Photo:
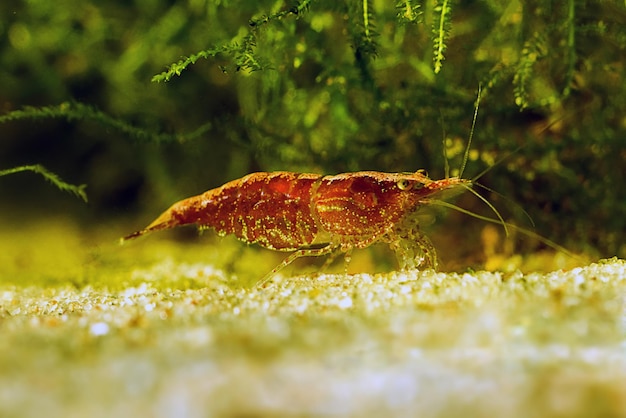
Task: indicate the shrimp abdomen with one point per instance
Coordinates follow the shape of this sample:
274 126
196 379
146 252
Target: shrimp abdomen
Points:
271 209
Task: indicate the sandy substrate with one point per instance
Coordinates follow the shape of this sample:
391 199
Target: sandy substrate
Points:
404 344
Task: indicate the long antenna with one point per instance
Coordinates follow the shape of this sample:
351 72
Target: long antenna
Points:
524 231
471 135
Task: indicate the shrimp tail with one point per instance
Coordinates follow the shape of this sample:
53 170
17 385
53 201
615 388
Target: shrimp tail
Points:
178 214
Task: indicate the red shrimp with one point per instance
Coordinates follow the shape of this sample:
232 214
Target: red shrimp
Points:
314 215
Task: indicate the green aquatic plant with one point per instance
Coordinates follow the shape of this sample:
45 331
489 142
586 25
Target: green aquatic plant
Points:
408 11
534 50
242 51
441 31
78 191
79 111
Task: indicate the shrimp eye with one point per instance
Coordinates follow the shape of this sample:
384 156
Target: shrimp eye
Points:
423 172
404 184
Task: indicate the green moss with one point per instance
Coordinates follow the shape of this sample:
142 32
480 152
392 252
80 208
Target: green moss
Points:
51 177
317 86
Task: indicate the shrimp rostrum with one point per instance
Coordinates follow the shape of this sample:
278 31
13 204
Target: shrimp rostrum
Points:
314 215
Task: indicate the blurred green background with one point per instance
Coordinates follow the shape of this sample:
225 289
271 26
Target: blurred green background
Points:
319 86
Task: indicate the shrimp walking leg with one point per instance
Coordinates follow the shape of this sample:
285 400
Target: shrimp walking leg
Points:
306 252
412 248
